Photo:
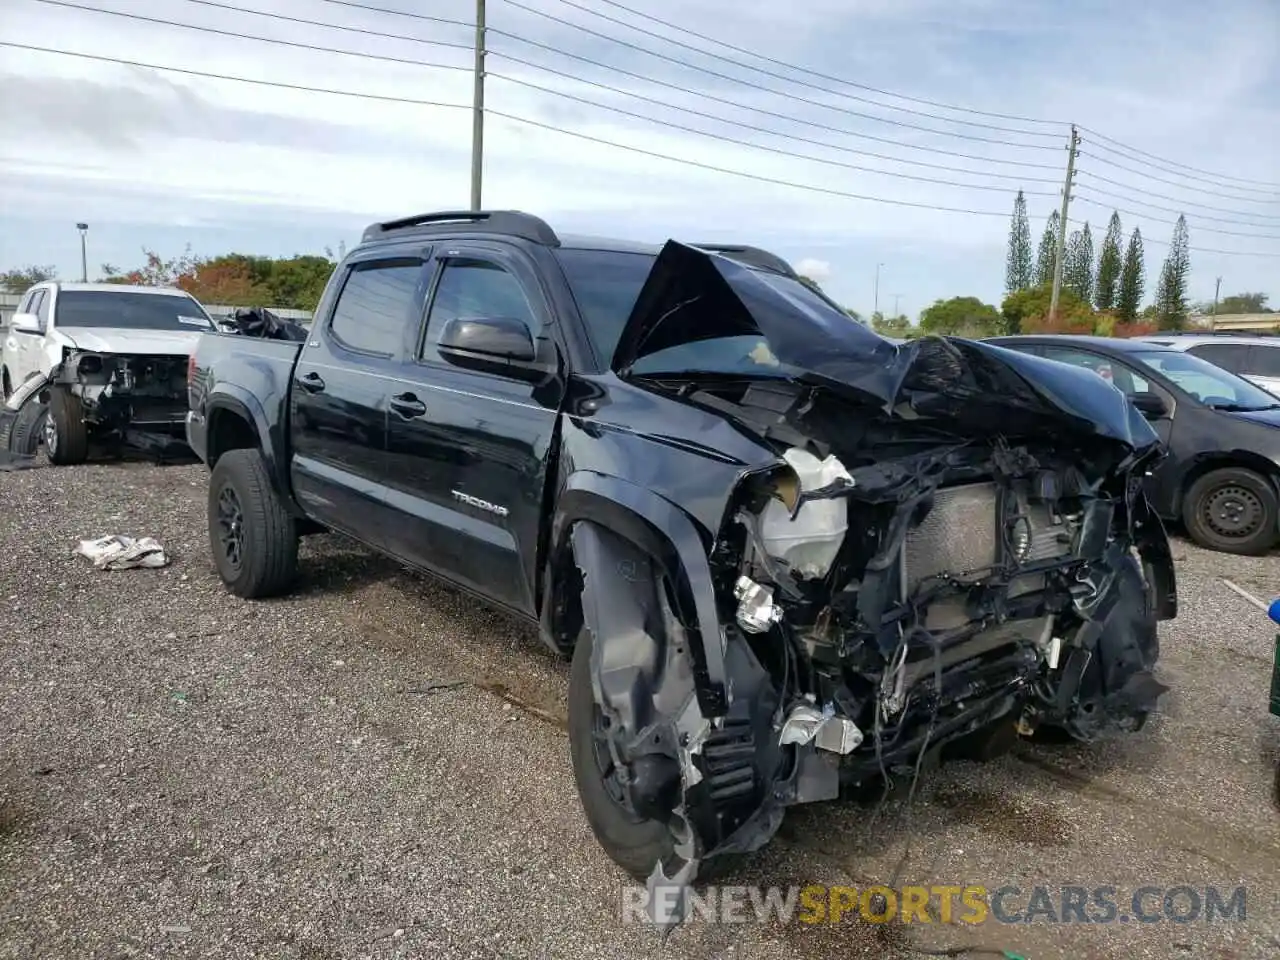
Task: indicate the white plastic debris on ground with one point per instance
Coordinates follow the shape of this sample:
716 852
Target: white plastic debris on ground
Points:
119 552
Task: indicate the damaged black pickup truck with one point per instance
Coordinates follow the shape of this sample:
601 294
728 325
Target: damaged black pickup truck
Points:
784 553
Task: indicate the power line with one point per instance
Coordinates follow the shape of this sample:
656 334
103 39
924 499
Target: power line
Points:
1229 233
750 109
769 73
782 93
1105 158
1174 183
399 13
1185 203
756 146
1150 240
736 123
639 96
1271 186
234 79
550 127
331 26
814 73
272 40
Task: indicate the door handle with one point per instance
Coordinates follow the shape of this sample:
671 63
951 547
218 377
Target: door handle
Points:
408 406
312 383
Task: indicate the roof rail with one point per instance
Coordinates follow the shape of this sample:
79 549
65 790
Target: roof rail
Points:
1220 332
751 256
509 222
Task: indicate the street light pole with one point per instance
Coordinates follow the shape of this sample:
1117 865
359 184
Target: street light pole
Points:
84 257
877 289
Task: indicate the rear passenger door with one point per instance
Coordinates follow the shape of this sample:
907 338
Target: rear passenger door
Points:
1263 366
339 395
468 449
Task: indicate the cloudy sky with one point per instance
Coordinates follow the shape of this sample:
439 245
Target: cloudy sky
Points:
603 137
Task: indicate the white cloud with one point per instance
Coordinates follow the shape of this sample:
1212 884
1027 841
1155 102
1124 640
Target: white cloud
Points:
819 270
131 146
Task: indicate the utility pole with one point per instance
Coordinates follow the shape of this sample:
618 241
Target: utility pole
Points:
84 256
1062 224
896 298
1217 287
877 289
477 111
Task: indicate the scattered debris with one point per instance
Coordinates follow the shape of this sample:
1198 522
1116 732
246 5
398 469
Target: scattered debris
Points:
118 552
18 461
438 686
1246 594
175 928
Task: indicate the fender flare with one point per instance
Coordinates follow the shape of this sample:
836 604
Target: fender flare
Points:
671 538
229 398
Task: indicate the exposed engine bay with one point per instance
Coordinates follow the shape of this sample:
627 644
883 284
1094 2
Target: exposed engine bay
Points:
104 399
119 391
888 588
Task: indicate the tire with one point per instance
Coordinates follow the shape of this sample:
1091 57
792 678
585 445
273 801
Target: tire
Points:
253 539
632 842
1233 510
66 436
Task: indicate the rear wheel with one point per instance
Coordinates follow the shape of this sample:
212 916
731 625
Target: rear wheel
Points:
633 841
66 436
253 539
1233 510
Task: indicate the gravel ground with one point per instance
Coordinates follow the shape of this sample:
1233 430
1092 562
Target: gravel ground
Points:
186 774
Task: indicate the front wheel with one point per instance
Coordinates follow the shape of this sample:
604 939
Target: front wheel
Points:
1233 510
66 435
631 840
253 538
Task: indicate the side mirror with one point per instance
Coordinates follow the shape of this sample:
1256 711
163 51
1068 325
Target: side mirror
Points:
25 323
500 345
1150 405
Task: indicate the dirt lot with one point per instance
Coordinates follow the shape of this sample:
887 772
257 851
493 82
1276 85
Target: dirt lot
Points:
184 774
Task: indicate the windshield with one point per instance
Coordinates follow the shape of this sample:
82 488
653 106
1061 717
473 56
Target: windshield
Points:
1209 384
606 284
128 310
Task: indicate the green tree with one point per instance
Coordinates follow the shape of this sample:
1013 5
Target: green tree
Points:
961 316
1017 269
1133 279
1047 250
24 278
1171 292
1241 303
1109 262
1077 264
899 326
1027 311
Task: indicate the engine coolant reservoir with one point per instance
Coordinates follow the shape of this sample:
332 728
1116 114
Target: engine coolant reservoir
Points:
809 543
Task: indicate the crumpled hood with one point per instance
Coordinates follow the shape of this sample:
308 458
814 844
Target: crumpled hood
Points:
691 295
125 340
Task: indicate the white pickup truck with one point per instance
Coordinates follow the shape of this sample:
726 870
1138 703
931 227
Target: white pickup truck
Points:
98 361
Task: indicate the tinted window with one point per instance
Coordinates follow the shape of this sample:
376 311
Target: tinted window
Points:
134 311
377 303
1119 375
1207 383
473 290
1264 361
605 285
39 306
1228 356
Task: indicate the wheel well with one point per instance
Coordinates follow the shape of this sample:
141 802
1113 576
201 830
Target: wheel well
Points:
1239 458
228 430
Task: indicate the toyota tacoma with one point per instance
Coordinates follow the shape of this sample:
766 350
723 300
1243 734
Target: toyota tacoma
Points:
785 554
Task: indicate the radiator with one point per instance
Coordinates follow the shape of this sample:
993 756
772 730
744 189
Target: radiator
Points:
960 534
